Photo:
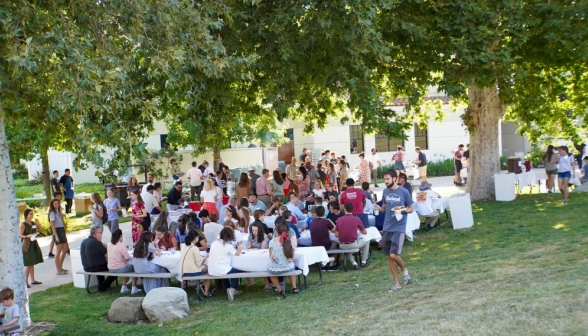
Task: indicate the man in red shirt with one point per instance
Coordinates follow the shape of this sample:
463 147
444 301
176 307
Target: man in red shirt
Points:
357 198
346 229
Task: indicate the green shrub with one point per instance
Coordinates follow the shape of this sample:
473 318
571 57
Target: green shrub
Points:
440 168
503 162
41 215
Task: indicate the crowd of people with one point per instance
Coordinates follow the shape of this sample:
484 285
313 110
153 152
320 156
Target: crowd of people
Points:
561 163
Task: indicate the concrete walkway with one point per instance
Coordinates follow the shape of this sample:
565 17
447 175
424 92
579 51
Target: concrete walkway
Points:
46 272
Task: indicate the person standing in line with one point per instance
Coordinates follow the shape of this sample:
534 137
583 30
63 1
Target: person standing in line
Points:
356 197
550 162
264 189
112 205
195 178
58 229
398 159
132 186
580 147
375 163
457 155
565 171
364 169
28 230
397 203
175 169
67 184
150 181
291 172
55 185
97 210
422 164
253 179
466 162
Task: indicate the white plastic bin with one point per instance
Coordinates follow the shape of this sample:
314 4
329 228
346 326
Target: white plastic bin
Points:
460 206
504 186
76 265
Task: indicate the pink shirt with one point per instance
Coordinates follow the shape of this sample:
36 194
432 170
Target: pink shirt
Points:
356 197
117 255
262 186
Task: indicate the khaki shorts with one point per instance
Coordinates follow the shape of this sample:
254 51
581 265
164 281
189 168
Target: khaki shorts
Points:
423 171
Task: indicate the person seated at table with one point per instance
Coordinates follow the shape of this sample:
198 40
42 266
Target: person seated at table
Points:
164 240
245 219
291 232
320 201
293 206
309 203
232 214
281 253
319 233
379 219
287 215
219 260
93 253
212 229
182 230
584 178
365 186
285 208
309 219
424 205
319 190
403 182
194 217
368 208
335 212
118 258
346 229
257 238
200 240
193 261
174 197
243 203
162 219
255 204
331 191
259 217
143 254
273 209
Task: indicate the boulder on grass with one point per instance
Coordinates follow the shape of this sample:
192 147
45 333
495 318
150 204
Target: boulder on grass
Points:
127 310
166 303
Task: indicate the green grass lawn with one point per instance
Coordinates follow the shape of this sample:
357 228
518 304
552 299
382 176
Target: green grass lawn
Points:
521 270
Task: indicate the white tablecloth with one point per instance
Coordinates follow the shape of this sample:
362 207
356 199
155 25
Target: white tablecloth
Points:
440 204
526 179
257 260
270 221
169 260
412 223
412 171
372 234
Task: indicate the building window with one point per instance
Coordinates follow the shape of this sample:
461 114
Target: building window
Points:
386 144
356 139
289 133
163 141
421 137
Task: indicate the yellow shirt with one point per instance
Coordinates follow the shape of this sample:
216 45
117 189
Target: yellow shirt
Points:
192 260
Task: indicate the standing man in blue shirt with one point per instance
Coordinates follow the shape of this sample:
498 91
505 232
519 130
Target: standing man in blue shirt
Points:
396 202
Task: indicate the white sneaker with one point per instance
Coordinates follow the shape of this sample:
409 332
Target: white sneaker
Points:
135 290
231 294
124 289
237 292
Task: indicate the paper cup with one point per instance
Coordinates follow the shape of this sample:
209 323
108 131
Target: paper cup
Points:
376 212
33 237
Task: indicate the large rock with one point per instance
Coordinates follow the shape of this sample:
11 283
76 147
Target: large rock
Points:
166 303
127 310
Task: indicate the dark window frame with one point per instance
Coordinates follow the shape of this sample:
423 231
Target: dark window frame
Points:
356 134
421 134
391 143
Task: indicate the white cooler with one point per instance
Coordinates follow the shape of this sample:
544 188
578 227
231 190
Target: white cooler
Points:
76 265
460 206
504 186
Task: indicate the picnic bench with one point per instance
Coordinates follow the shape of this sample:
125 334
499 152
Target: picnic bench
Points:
354 251
240 275
128 275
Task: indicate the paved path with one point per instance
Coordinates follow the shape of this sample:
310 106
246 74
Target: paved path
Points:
46 273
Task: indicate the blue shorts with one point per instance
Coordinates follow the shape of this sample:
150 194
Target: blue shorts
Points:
399 166
127 269
564 175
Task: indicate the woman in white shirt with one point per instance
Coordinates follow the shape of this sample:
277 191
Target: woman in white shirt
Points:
219 260
192 261
565 171
209 197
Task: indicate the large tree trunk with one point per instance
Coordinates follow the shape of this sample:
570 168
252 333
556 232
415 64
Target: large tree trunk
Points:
216 154
482 117
46 176
11 261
